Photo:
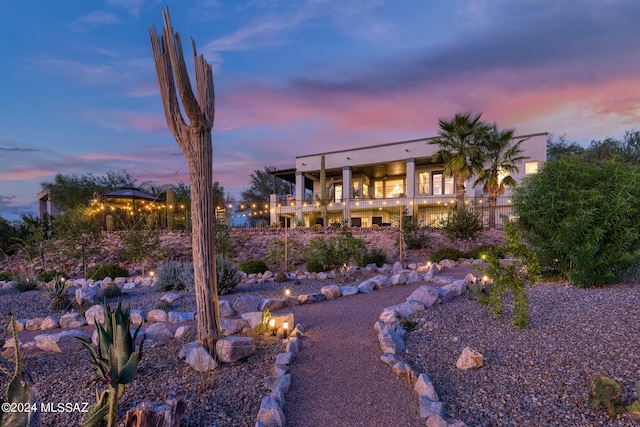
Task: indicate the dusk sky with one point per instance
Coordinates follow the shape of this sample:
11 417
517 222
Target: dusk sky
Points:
79 92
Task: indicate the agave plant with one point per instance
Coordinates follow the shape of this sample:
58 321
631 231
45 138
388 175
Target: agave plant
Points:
115 361
57 291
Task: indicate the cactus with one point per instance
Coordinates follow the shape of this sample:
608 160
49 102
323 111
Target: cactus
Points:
18 391
109 223
163 305
111 291
115 361
326 193
604 392
171 208
480 292
57 291
281 277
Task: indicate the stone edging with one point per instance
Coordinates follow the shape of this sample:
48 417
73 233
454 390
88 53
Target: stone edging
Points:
390 337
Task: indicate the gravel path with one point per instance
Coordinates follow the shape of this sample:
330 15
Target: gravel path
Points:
338 378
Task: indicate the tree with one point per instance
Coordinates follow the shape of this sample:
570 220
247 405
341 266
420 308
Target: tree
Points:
559 148
69 191
194 139
460 150
503 157
262 185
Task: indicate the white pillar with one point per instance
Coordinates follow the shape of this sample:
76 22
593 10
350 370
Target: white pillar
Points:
411 185
273 209
299 195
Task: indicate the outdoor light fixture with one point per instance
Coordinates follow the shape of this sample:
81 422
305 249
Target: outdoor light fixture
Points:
287 292
272 326
151 273
485 280
285 327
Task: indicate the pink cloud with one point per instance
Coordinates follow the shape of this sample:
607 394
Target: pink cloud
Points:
24 174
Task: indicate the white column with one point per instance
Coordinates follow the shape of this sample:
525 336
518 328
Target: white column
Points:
299 195
411 185
273 209
346 193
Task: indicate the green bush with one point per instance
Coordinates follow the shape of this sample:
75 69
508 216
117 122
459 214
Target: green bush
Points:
581 218
253 266
172 276
228 275
49 275
462 224
375 256
413 234
334 253
99 272
447 253
483 251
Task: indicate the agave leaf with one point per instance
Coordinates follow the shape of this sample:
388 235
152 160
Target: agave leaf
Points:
129 371
97 412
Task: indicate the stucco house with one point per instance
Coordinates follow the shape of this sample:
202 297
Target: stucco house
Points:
371 185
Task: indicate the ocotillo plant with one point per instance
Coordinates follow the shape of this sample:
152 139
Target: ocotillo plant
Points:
326 193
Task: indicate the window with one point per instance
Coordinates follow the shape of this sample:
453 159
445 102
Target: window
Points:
394 188
530 168
423 180
442 184
437 184
356 190
337 188
378 189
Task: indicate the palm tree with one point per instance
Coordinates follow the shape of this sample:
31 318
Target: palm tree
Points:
503 156
461 153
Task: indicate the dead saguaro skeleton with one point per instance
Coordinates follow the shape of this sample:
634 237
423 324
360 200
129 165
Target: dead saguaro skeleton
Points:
194 139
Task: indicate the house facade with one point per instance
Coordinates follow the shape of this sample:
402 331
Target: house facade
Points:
372 185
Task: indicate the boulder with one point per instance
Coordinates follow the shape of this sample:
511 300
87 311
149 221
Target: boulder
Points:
424 387
254 318
271 303
406 309
425 294
50 322
225 308
86 296
347 291
469 359
171 297
391 342
452 290
180 316
72 320
311 298
322 276
137 317
232 326
430 407
270 413
232 349
185 331
381 281
436 420
158 330
200 360
330 291
94 313
128 286
62 341
414 277
157 315
246 303
366 286
281 382
33 324
398 279
447 263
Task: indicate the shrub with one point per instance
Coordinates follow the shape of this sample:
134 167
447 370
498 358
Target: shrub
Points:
462 224
24 282
6 276
99 272
413 234
581 218
49 275
483 251
447 253
172 276
140 244
334 253
253 266
228 275
375 256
